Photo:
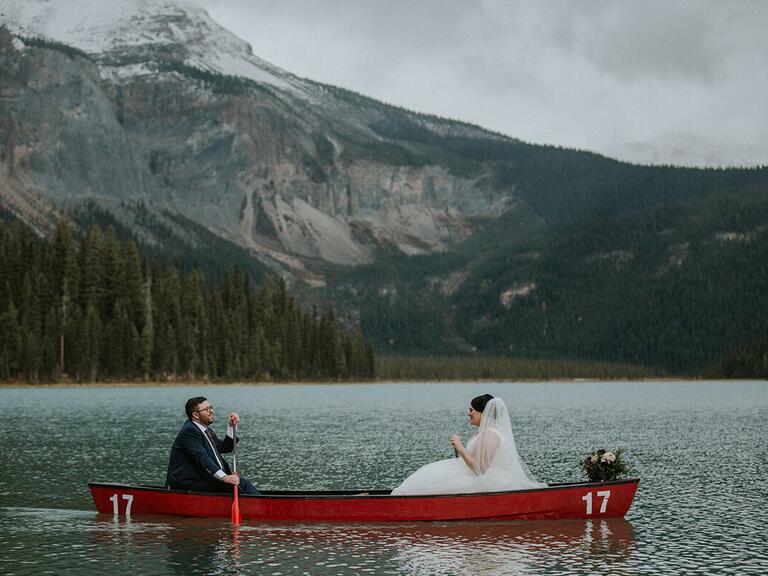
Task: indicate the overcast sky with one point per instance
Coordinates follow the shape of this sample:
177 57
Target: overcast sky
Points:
664 81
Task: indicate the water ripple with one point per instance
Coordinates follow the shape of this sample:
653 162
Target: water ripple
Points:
700 449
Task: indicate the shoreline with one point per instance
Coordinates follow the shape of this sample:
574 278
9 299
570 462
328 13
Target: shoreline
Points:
659 380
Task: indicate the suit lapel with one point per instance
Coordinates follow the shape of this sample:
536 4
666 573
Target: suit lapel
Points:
212 450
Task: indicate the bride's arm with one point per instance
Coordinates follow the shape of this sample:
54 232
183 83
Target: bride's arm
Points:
469 460
486 449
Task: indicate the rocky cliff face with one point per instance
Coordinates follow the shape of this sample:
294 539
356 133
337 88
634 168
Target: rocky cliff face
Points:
295 171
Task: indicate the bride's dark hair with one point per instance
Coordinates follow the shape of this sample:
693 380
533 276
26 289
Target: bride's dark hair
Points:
479 402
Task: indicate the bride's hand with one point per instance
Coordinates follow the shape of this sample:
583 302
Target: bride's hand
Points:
456 443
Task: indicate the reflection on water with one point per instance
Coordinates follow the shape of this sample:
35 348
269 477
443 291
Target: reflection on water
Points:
700 449
62 539
533 547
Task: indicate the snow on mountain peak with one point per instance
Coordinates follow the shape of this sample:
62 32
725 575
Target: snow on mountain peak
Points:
117 26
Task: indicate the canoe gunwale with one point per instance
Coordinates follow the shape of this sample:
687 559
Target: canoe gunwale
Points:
355 494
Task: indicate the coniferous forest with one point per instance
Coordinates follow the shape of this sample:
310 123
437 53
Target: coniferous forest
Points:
678 288
93 309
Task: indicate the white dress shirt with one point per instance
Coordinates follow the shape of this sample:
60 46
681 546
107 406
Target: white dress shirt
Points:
231 433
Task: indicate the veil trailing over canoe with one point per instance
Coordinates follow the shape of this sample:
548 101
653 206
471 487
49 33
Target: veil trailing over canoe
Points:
498 465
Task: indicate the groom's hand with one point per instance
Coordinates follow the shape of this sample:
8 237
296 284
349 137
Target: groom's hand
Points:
233 479
233 419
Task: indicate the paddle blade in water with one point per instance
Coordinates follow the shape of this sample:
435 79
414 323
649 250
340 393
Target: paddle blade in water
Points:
236 518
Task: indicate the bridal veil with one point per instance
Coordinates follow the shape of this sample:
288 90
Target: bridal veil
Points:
495 449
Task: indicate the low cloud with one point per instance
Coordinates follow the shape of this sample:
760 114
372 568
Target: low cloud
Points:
603 75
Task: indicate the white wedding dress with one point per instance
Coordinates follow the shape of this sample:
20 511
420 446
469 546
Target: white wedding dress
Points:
498 466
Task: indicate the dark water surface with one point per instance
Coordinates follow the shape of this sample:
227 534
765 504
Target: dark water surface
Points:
700 448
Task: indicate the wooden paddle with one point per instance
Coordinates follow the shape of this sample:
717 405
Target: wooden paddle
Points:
236 518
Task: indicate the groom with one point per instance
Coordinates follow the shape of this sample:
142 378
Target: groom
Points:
196 462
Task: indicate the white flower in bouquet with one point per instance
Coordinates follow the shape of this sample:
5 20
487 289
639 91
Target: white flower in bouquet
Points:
602 466
609 457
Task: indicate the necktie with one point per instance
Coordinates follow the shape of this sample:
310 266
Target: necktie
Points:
212 440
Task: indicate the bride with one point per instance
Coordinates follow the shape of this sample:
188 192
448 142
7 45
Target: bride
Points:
489 463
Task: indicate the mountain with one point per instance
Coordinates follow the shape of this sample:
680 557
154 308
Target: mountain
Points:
681 286
435 235
166 108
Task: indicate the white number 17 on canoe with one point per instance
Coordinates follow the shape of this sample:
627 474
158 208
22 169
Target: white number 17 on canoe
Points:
128 498
604 494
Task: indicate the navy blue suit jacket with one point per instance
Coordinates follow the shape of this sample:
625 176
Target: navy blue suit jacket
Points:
192 459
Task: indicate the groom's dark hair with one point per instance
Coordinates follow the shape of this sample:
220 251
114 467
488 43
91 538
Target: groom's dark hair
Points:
479 402
192 405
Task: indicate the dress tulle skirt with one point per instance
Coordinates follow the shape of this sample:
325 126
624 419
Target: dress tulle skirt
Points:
453 476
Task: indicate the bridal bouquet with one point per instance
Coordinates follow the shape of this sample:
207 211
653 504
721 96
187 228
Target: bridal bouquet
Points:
602 465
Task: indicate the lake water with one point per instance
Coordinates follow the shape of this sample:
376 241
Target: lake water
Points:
700 449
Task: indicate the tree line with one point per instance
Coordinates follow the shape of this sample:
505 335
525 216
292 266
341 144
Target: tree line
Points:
472 367
679 288
93 308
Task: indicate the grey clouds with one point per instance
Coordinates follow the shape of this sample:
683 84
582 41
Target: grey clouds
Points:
680 82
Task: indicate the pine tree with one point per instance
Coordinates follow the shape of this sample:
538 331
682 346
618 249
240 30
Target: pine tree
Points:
10 342
93 338
66 276
134 284
31 321
332 359
148 330
113 273
193 333
92 269
294 343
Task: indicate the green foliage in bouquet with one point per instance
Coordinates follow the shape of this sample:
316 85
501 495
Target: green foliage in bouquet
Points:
602 465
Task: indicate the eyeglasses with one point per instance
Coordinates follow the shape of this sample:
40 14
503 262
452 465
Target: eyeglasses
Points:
206 409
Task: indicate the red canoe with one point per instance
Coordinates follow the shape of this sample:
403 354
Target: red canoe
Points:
556 501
